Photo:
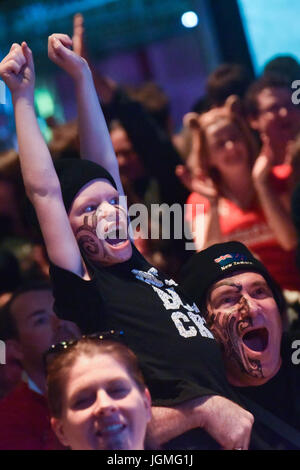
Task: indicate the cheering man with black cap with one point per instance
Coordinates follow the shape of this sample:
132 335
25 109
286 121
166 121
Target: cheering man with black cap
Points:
243 308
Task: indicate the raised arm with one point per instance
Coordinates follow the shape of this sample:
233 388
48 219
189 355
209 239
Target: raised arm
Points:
205 227
95 143
40 179
276 208
150 141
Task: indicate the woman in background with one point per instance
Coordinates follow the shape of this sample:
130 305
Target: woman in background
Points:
243 197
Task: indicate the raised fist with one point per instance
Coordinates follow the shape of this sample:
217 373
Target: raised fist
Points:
17 69
60 52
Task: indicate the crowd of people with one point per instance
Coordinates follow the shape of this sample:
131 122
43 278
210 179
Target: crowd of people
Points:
115 340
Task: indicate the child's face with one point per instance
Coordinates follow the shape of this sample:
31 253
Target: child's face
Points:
100 224
227 148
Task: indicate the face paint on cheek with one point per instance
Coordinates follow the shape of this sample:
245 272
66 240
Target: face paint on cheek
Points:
87 238
228 329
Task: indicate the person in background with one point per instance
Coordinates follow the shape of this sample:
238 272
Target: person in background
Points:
243 200
273 115
285 66
226 80
29 327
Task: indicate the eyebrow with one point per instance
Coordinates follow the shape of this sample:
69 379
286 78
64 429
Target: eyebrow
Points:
237 286
108 383
37 312
95 200
229 284
224 283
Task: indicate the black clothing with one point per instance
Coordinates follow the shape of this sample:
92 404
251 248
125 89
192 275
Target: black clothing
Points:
178 355
280 395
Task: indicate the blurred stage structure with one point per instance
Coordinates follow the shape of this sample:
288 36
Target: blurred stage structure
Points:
113 25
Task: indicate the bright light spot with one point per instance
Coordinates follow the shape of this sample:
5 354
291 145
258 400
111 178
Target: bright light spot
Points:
189 19
45 130
44 102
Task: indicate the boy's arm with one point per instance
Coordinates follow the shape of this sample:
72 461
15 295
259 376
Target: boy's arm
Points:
40 179
151 143
95 143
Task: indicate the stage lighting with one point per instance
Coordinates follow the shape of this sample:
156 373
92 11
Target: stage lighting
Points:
189 19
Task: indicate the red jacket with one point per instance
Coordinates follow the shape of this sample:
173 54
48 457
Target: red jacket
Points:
25 422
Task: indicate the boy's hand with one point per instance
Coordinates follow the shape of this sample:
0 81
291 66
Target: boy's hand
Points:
17 69
60 53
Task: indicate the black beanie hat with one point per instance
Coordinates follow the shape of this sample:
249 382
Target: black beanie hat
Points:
205 268
74 173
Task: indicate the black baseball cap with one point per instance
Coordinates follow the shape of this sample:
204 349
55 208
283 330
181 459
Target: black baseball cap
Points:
208 266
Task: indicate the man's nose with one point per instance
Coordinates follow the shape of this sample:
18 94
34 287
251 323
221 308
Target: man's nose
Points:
104 404
252 306
55 322
66 329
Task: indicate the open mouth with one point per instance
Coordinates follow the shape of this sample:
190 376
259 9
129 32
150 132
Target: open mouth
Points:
110 430
115 237
256 340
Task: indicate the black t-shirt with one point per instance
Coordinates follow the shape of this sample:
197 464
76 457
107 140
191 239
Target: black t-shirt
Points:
280 395
178 355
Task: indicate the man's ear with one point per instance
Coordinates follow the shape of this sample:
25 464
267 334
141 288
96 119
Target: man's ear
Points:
57 427
147 402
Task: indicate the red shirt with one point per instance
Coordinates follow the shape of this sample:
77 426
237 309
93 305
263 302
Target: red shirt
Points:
25 422
250 227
